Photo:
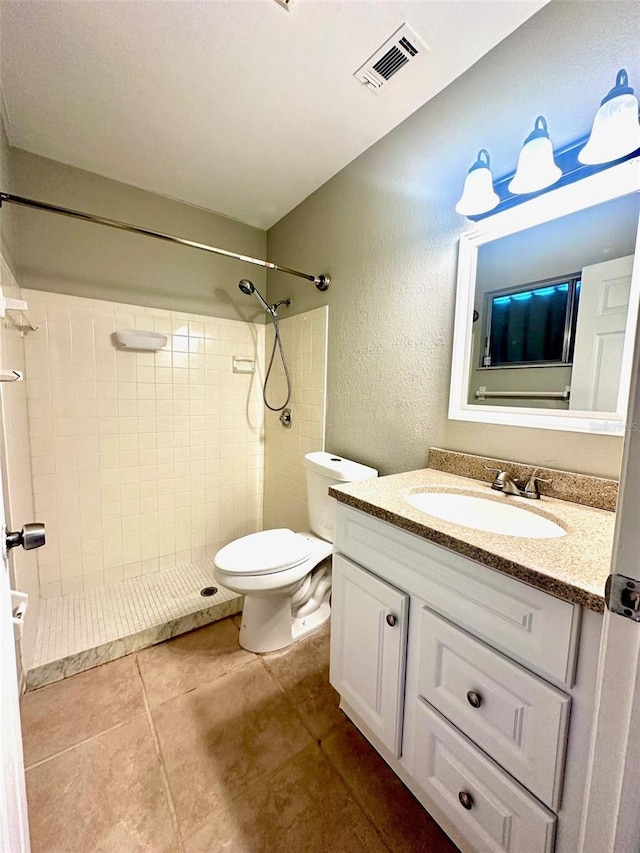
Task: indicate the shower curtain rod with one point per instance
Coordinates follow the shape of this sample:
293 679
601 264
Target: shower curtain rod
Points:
322 282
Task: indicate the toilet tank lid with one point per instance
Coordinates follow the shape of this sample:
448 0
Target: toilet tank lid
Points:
336 468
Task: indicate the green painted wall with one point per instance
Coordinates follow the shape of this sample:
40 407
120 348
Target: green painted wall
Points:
386 230
58 254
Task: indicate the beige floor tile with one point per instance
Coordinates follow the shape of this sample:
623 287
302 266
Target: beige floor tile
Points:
399 817
224 737
177 666
103 796
302 807
63 714
303 672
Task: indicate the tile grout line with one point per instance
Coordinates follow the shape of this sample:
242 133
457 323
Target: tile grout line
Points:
201 684
318 742
355 799
294 705
163 769
276 769
290 703
354 795
285 696
81 742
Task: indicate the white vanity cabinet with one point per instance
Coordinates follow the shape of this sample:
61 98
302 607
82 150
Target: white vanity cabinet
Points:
464 679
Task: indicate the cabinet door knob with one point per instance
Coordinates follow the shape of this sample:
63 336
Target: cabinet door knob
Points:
466 800
391 620
474 699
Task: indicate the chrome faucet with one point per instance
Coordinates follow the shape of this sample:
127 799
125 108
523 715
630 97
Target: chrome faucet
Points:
505 483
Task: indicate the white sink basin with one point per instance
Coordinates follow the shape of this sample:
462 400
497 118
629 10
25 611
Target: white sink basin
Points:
482 514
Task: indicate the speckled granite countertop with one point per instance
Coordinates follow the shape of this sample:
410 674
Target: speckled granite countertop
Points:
573 567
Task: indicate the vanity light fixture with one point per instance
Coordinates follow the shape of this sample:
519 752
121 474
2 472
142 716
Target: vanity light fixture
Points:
616 130
536 167
478 195
614 138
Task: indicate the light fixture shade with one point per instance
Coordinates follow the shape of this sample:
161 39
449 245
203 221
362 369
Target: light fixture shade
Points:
616 130
478 195
536 167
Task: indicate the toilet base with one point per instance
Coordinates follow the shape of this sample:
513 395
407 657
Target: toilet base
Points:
267 624
306 625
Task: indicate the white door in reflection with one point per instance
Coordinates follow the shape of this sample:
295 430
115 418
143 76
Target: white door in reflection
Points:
602 319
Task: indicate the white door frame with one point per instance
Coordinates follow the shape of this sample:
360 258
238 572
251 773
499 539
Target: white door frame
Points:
611 814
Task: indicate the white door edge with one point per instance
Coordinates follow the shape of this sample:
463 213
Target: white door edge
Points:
14 829
611 813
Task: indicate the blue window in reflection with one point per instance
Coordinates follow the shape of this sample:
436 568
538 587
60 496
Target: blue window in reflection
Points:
532 325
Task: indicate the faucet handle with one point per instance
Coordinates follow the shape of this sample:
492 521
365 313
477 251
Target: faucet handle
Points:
534 476
504 482
496 471
531 490
497 480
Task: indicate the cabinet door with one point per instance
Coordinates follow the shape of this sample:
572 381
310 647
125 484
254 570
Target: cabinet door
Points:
368 648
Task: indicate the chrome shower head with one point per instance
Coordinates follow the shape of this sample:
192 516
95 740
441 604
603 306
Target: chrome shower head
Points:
248 288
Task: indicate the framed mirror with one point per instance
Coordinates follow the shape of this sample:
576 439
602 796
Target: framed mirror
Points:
547 308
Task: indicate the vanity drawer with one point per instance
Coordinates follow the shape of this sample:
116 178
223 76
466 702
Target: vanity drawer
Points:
530 626
520 720
502 815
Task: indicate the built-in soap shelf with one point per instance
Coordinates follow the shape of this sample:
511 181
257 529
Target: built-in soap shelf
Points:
139 339
15 305
11 376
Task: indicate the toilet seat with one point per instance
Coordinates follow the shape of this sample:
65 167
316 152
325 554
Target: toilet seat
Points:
263 553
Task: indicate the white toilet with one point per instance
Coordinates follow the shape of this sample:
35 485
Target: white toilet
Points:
284 576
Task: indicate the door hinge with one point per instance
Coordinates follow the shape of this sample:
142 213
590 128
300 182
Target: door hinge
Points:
622 596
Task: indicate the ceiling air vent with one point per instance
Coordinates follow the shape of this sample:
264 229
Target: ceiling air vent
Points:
396 53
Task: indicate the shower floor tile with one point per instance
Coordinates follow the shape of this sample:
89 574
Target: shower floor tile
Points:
80 631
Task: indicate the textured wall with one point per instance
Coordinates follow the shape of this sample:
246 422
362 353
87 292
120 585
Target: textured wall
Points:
63 255
386 230
304 338
141 461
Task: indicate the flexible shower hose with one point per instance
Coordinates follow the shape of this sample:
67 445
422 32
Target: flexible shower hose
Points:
277 342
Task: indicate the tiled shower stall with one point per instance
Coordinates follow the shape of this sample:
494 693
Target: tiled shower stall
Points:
143 464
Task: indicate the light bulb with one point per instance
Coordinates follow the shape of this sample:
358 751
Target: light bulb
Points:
478 195
616 130
536 167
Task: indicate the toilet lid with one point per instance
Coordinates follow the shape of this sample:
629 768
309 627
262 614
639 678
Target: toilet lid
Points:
259 553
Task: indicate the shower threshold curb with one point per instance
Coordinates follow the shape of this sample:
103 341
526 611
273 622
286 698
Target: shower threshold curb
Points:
48 673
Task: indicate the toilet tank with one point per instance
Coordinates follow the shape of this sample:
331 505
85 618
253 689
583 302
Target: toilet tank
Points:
324 470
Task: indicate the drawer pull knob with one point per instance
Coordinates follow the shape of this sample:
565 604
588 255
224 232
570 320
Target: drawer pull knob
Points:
474 699
391 620
466 800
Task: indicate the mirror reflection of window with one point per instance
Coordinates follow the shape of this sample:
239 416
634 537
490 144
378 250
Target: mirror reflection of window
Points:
534 325
546 337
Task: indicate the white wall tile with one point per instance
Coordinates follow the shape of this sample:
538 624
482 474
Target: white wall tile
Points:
119 439
304 338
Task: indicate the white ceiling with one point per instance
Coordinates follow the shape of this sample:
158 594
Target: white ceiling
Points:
238 106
